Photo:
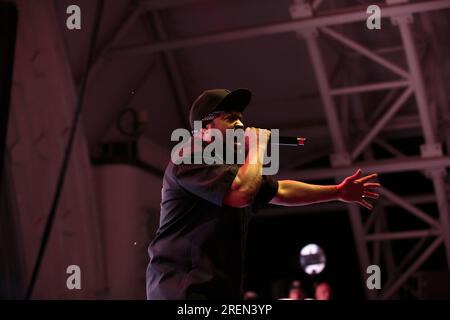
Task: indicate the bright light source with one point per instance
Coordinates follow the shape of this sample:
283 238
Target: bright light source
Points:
312 259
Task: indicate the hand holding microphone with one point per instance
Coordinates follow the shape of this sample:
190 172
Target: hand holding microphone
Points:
257 138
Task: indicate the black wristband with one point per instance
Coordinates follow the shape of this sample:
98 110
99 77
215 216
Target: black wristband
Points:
268 190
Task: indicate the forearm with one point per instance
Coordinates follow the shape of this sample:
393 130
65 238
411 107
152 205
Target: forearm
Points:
249 176
296 193
248 180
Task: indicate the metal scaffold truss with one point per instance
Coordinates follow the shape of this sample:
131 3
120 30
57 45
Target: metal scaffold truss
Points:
412 84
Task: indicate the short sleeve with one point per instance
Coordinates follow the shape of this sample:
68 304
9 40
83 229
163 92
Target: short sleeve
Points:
207 181
268 190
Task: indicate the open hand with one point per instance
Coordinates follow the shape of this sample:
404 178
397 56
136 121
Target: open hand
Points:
356 189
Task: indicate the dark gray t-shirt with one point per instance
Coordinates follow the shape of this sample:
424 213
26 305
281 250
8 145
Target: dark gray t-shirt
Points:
198 250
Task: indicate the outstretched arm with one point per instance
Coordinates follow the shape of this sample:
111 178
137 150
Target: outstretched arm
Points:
351 189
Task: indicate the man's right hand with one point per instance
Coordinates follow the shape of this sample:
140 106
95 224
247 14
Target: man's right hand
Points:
256 141
249 177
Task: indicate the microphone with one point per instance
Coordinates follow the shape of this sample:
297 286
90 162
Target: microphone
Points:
291 141
286 141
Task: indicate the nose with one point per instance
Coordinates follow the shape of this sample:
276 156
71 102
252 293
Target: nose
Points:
238 124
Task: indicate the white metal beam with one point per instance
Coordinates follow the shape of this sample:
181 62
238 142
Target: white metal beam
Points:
388 147
118 35
380 108
410 255
405 276
174 72
437 176
354 14
437 85
324 88
339 206
381 123
361 247
413 163
366 52
370 87
153 5
402 235
373 218
431 147
337 138
409 207
416 78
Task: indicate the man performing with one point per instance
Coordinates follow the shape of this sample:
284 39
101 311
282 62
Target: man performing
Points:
198 251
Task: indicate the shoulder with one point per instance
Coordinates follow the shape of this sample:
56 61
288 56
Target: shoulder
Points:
169 172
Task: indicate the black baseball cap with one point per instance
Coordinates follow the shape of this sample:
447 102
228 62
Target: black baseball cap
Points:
218 100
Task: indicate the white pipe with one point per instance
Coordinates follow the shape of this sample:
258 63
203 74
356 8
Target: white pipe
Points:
324 88
388 147
354 14
402 279
437 176
119 34
181 95
380 166
401 123
338 143
361 247
427 127
339 206
379 109
381 123
386 246
316 4
366 52
372 218
153 5
401 235
370 87
377 245
416 79
409 207
407 259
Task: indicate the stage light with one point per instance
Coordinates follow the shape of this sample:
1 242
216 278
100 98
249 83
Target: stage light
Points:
312 259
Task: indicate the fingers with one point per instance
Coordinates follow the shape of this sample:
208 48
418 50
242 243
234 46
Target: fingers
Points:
372 195
250 137
356 175
367 178
268 133
372 185
365 204
368 189
264 134
257 139
258 132
251 130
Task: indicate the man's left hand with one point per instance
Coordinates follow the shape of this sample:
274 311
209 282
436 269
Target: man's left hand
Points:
356 189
